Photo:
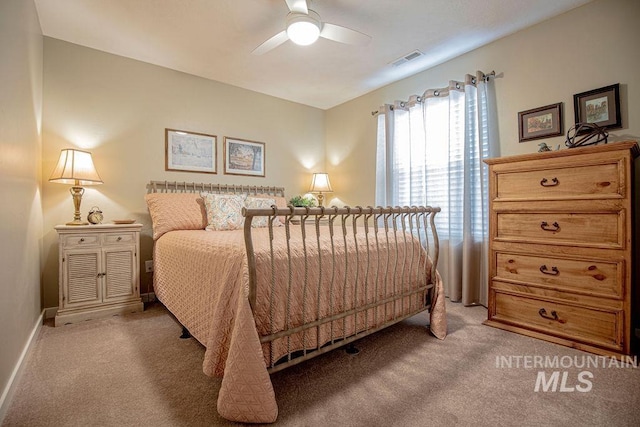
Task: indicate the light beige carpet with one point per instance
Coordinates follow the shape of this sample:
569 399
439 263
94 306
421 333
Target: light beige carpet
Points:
134 371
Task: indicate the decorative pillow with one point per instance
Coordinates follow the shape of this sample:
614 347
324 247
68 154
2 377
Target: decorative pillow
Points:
262 202
175 211
224 211
281 203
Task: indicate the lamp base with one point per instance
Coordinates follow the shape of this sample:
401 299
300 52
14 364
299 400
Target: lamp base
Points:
77 192
77 222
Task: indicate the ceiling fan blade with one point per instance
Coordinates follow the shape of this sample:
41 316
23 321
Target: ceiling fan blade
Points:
298 6
344 35
272 43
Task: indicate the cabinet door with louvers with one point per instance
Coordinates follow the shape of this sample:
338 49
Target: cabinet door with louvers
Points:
81 276
119 268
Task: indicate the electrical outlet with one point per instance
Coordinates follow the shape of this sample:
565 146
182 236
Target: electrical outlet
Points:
148 266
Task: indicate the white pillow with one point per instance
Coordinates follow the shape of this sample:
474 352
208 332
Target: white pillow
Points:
261 203
224 211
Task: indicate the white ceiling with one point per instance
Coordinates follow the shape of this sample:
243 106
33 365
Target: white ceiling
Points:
214 38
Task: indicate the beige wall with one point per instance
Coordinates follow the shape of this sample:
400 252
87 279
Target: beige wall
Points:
118 108
592 46
21 213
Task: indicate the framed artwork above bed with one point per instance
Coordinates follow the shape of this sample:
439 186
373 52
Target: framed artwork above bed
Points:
243 157
190 151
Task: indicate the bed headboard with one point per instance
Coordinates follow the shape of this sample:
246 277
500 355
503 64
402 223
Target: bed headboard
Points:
196 187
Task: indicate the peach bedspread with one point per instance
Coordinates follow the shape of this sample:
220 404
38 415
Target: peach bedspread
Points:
202 278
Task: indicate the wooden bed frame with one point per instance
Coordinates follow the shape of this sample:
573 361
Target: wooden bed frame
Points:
377 224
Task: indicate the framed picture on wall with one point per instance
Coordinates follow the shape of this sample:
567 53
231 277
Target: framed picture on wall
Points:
599 106
243 157
542 122
190 151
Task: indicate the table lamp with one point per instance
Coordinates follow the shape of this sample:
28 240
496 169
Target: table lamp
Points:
75 167
319 184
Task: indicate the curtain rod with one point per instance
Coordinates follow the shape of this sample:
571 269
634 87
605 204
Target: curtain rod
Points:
486 77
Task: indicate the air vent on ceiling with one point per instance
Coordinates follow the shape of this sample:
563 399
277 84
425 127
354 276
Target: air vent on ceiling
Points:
408 57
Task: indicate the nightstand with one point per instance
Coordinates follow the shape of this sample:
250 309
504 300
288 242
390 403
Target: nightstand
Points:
99 271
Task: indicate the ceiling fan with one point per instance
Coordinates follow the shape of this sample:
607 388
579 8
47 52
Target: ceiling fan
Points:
304 27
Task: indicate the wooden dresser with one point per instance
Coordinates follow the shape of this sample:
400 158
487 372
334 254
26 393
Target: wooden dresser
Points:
561 246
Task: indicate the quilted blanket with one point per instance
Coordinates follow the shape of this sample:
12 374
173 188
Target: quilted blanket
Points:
202 278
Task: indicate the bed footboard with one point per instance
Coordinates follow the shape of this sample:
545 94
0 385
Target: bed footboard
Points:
330 276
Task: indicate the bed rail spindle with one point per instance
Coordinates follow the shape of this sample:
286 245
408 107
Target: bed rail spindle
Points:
272 304
306 281
333 276
367 218
346 267
289 284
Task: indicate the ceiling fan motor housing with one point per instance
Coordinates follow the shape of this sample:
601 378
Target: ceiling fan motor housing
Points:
303 29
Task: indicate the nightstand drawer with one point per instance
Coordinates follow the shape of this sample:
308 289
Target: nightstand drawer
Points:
117 238
586 229
543 183
80 240
597 327
600 278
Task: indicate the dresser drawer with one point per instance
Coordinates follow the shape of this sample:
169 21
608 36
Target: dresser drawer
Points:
117 238
586 229
542 183
597 327
80 240
601 278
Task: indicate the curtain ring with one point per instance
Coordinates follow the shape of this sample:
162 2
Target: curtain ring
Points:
436 93
419 99
402 104
457 85
473 80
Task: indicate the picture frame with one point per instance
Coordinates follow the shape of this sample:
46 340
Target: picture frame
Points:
190 151
599 106
244 157
542 122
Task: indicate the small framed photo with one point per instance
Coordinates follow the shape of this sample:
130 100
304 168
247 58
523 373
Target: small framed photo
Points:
599 106
242 157
543 122
190 151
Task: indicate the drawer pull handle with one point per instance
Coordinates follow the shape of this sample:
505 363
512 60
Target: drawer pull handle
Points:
545 226
554 182
119 238
81 239
554 270
554 316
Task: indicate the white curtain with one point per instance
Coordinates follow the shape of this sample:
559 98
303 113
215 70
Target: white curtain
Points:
430 151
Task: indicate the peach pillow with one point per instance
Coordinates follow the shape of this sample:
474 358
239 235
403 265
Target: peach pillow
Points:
175 211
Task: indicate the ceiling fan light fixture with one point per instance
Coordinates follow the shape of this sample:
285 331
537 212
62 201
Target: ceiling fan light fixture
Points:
303 29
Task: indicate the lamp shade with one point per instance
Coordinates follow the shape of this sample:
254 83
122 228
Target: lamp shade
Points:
75 167
320 183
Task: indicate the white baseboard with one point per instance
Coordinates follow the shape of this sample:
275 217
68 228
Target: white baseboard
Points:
9 390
